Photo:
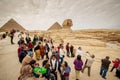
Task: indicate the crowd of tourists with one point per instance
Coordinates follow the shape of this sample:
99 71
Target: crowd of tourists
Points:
54 65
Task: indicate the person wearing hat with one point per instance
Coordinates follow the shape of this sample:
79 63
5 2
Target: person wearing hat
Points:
27 58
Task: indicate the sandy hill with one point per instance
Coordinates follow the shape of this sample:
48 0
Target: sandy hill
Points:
55 26
10 25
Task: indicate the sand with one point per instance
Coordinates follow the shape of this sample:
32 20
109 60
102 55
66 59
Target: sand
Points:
10 66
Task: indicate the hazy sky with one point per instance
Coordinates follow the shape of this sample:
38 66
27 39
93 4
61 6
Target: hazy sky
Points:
41 14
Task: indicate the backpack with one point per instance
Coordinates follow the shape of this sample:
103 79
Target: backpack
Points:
39 70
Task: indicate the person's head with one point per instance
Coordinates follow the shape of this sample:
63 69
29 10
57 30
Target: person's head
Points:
30 53
53 57
117 59
67 43
107 57
33 63
27 34
92 56
22 38
64 65
87 52
39 43
60 45
35 35
26 70
45 62
78 57
79 48
55 48
22 45
45 40
25 46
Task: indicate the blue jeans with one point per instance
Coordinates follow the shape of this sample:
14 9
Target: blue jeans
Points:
61 60
103 71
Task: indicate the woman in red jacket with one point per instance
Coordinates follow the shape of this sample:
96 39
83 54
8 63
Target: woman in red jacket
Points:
115 64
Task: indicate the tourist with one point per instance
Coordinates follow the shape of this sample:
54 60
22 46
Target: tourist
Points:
60 45
26 73
30 46
41 38
20 48
78 63
34 65
56 53
37 51
65 71
35 40
47 48
22 52
54 65
12 32
72 51
3 36
27 58
48 75
88 63
28 39
79 51
42 51
68 49
21 41
115 64
118 72
104 66
61 54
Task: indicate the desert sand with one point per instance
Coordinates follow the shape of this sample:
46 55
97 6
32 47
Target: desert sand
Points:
10 66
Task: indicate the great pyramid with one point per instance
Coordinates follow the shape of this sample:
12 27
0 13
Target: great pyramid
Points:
55 26
10 25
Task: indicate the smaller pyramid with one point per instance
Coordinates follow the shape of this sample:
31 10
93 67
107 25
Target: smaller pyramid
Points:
10 25
55 26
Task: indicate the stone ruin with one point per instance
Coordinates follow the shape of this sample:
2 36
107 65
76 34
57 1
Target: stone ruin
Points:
67 24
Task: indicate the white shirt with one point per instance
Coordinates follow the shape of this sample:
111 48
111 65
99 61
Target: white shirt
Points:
90 60
53 64
61 52
79 52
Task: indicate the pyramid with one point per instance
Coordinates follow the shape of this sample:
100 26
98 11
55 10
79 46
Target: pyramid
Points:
55 26
10 25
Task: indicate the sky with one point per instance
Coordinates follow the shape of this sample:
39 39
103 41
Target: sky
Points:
41 14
